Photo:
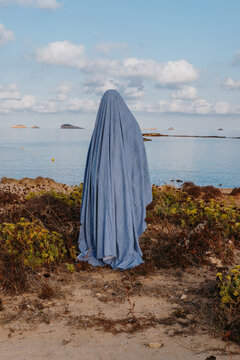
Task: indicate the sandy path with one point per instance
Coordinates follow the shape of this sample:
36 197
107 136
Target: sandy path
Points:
55 331
56 341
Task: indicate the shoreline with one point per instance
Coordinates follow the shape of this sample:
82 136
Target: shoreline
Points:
21 187
192 136
47 182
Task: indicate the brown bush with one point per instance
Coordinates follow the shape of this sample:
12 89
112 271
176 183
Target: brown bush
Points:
6 197
13 274
207 192
235 191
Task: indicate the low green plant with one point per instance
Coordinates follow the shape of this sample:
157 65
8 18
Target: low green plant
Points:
230 288
70 267
73 198
183 209
31 243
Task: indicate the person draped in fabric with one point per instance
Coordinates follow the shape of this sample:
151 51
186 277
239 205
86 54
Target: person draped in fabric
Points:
116 188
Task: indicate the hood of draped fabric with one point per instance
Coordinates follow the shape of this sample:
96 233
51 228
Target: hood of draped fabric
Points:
116 188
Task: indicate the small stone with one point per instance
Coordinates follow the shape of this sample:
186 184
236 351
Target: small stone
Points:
65 342
155 345
216 262
98 294
183 297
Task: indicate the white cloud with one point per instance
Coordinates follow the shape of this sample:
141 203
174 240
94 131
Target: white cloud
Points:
63 90
107 47
71 105
186 92
133 92
62 53
222 107
230 84
65 53
41 4
48 4
25 103
9 92
80 105
171 72
11 100
5 35
198 106
98 85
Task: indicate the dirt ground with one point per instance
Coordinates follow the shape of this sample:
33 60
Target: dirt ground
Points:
105 314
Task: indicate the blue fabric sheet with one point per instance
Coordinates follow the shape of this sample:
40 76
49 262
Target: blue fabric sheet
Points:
116 188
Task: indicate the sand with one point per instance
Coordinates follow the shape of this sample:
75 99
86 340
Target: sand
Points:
84 321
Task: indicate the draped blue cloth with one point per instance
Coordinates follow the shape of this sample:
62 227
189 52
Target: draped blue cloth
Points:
116 188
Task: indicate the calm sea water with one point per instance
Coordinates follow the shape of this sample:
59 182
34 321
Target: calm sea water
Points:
29 153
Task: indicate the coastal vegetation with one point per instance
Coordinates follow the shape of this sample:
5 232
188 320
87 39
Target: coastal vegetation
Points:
73 198
191 227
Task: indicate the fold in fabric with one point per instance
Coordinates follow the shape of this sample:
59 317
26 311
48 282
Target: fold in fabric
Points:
116 188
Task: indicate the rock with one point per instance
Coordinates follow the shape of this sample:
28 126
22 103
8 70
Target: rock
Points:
65 342
153 134
155 345
183 297
69 126
20 126
208 252
215 261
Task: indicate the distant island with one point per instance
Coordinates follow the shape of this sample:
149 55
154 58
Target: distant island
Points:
20 126
192 136
69 126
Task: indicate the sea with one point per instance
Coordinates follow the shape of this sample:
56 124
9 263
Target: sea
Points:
60 154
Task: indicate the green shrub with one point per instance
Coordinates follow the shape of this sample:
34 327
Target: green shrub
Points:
182 209
74 198
70 267
229 313
31 242
230 288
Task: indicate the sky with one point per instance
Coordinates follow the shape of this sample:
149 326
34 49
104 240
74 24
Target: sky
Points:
168 59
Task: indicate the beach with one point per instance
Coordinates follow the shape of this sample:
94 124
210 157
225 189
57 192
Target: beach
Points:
158 309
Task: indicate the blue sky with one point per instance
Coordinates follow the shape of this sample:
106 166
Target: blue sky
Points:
170 58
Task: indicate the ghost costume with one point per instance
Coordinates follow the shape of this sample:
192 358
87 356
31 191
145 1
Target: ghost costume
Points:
116 188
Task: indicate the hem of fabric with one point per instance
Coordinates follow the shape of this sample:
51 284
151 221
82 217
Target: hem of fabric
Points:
130 263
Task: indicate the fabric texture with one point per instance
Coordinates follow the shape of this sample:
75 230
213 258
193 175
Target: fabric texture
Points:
116 188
